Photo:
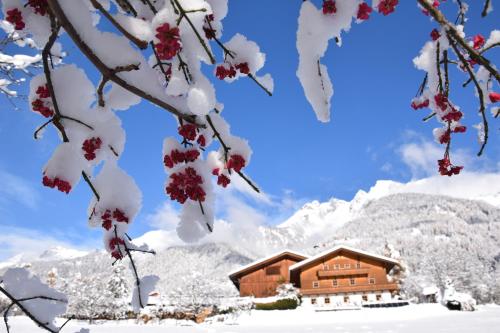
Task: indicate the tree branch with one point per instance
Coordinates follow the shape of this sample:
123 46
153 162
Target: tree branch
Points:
452 31
139 43
183 14
106 71
18 303
478 88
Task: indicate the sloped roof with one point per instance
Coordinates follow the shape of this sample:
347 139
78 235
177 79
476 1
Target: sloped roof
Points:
266 259
339 248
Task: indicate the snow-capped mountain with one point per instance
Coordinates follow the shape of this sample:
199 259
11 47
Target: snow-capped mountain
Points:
436 237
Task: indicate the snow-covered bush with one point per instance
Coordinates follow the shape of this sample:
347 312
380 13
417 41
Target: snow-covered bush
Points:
287 290
456 300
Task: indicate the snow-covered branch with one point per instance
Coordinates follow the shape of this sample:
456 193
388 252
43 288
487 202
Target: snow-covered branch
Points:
36 300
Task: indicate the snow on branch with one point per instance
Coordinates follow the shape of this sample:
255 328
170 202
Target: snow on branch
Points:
35 299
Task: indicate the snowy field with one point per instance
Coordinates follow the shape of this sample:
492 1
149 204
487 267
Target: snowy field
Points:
427 318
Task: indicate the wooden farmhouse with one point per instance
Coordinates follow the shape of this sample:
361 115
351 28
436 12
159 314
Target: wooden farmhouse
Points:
262 277
337 277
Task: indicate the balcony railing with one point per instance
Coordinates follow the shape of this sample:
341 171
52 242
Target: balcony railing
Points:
349 289
342 272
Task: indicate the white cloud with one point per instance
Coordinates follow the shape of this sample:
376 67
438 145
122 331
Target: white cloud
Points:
30 243
421 156
16 189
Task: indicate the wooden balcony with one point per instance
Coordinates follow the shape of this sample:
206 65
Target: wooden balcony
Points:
349 289
342 272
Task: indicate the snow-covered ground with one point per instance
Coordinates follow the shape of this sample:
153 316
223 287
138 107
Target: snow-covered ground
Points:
428 318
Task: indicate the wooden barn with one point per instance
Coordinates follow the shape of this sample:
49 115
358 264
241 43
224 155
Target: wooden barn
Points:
337 277
261 278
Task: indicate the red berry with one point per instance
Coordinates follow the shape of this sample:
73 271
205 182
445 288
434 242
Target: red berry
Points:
419 105
441 101
329 7
478 41
89 146
364 11
494 97
120 216
459 129
187 131
387 6
435 34
201 140
243 68
445 137
236 162
15 17
223 181
169 44
40 6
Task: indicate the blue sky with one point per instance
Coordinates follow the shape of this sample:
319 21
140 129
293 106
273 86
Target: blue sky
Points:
373 135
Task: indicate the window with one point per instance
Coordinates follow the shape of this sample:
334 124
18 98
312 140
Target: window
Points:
347 266
371 281
365 298
378 297
358 265
335 282
313 301
327 300
346 299
352 281
325 267
273 270
337 266
315 284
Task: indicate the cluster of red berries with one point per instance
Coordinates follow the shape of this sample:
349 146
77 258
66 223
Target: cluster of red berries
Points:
236 162
364 11
187 131
176 157
114 245
89 146
478 41
227 70
40 6
446 136
169 44
329 7
387 6
207 27
15 17
418 104
435 34
61 185
184 185
448 169
223 71
41 104
222 179
107 218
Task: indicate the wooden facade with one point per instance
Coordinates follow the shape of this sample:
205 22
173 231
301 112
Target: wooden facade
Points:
340 275
261 278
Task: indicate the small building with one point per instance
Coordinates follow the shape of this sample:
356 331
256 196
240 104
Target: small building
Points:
344 276
261 278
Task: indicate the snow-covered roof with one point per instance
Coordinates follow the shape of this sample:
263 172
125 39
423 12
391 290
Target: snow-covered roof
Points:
338 248
262 260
